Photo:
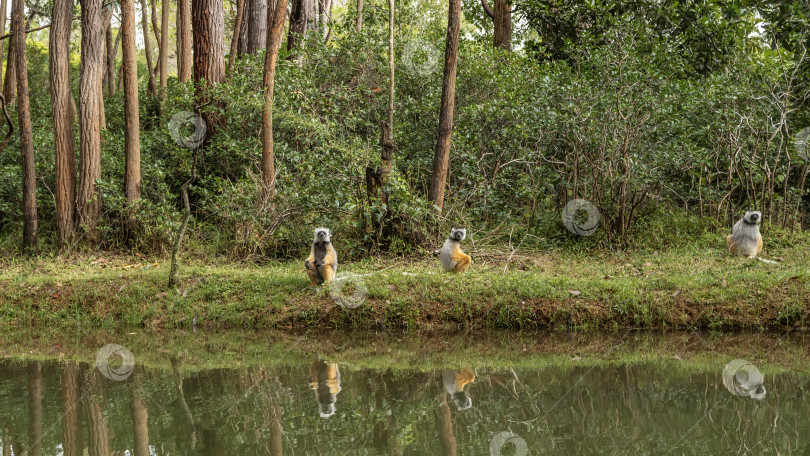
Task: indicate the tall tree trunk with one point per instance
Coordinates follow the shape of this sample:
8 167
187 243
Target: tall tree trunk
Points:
324 22
151 88
3 9
87 201
132 127
376 178
102 113
237 30
208 27
34 384
184 57
164 46
274 32
257 30
72 435
98 431
156 30
109 65
140 415
244 30
359 20
63 139
10 83
441 159
299 19
502 22
29 189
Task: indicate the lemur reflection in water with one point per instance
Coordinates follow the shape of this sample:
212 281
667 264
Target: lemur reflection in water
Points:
324 379
454 383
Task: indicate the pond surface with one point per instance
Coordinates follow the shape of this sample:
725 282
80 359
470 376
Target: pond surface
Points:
505 394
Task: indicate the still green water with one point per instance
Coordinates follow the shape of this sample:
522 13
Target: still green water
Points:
506 394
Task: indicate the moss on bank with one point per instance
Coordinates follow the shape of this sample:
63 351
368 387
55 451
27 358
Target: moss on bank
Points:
686 288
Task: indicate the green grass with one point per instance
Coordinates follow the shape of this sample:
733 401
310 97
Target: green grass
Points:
691 287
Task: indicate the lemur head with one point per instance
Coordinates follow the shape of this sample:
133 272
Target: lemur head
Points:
753 217
322 235
458 234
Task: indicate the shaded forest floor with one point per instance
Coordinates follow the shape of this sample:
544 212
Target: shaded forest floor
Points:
678 288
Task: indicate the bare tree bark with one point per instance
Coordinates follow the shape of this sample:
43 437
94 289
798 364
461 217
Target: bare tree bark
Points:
324 21
29 189
87 201
237 30
164 47
359 21
184 53
3 9
10 83
257 30
276 21
98 431
441 159
109 65
156 30
63 139
151 88
244 30
299 19
502 22
72 436
208 27
132 127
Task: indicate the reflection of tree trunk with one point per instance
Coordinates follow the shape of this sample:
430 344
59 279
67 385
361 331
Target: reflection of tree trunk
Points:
34 407
444 423
71 414
140 415
275 431
6 434
93 410
181 399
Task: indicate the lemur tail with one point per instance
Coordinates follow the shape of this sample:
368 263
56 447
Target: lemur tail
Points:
767 261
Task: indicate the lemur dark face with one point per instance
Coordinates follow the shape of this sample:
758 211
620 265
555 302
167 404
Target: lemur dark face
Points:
753 217
322 235
458 234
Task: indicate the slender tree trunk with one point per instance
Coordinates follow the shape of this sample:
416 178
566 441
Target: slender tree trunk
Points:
237 30
502 23
132 139
34 387
376 178
156 30
441 159
151 88
72 436
3 9
244 30
257 30
29 189
359 20
276 29
109 66
299 18
164 46
324 22
208 26
63 139
184 57
87 201
10 83
140 416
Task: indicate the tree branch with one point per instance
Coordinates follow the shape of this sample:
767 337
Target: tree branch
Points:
487 9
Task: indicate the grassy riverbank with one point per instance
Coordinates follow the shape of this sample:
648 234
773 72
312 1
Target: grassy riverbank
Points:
677 288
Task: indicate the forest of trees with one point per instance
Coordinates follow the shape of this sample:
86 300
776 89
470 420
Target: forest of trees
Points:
250 121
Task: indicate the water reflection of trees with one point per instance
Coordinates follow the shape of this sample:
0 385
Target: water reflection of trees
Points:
623 409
